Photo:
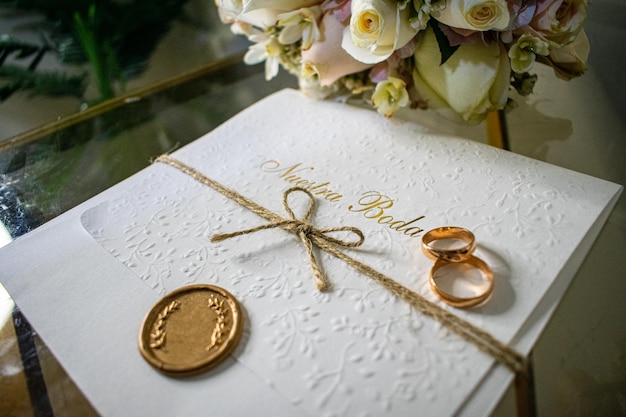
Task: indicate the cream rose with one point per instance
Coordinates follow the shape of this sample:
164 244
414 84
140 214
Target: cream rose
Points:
260 13
472 82
479 15
377 28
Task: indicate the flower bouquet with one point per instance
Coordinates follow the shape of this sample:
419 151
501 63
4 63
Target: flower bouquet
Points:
461 58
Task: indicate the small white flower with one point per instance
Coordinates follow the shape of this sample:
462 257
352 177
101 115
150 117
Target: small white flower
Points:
389 96
310 85
300 24
424 8
524 51
268 49
309 71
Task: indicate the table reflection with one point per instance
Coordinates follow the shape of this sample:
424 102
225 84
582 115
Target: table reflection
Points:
59 57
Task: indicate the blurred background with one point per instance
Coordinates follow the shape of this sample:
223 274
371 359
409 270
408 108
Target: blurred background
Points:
58 57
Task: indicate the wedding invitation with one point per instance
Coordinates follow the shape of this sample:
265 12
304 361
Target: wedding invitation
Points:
86 280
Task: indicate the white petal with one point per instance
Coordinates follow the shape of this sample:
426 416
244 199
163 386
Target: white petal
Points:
272 65
290 34
365 55
254 55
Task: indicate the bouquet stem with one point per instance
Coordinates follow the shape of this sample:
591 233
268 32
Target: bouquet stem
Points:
497 134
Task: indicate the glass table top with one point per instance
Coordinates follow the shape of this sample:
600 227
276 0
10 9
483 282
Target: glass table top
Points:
55 163
55 167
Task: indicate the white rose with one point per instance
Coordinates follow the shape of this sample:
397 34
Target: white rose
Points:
472 82
479 15
259 13
377 28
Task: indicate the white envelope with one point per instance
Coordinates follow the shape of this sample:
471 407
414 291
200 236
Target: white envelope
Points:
86 279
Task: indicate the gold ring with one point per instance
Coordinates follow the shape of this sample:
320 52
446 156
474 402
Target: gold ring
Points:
462 301
443 243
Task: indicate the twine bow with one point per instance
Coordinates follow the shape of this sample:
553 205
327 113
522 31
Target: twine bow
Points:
309 234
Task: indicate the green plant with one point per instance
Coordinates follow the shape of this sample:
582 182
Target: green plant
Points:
115 38
16 78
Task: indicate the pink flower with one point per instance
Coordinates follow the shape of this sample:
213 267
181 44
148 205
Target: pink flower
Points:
339 8
569 61
559 21
327 58
522 12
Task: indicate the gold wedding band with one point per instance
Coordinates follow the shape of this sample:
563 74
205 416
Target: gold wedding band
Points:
457 301
433 243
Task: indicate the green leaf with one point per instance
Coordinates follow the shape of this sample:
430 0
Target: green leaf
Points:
115 37
47 83
444 44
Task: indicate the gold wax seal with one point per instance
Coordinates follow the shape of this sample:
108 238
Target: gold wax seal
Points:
191 329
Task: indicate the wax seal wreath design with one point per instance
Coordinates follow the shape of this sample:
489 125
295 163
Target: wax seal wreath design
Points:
218 331
175 336
157 336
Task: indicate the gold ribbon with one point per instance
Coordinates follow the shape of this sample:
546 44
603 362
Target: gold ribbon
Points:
312 236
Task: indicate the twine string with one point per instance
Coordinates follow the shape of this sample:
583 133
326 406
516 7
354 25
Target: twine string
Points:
312 236
305 231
